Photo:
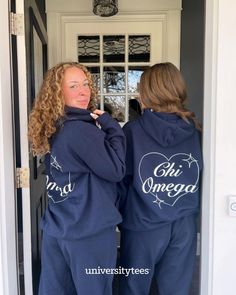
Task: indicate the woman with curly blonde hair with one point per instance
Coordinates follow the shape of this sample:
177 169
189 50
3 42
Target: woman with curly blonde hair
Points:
83 164
161 190
49 106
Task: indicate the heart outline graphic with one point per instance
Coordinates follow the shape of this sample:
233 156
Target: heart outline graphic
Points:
61 193
188 158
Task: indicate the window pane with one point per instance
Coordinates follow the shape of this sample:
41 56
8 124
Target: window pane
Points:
134 75
88 49
95 71
114 48
134 108
113 79
139 48
115 105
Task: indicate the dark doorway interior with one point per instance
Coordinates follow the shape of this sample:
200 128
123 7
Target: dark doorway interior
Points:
192 52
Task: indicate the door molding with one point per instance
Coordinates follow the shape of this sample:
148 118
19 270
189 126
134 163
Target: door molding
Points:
209 146
67 19
36 65
170 21
8 256
23 110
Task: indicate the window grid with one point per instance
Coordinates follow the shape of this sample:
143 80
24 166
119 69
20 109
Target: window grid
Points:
126 64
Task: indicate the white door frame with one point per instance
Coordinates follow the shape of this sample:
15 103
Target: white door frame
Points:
209 144
23 110
8 267
163 29
8 256
218 228
8 227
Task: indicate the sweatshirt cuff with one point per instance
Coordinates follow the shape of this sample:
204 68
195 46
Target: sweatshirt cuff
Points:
103 119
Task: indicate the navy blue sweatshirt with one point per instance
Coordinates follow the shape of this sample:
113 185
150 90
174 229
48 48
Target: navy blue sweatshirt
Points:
163 165
83 167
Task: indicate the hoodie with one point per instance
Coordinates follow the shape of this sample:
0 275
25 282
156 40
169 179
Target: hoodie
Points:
163 167
82 169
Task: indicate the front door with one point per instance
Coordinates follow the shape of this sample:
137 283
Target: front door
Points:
116 55
36 65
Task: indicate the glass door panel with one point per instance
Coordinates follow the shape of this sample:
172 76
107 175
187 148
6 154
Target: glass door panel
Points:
116 63
88 49
139 48
134 75
113 79
115 105
114 48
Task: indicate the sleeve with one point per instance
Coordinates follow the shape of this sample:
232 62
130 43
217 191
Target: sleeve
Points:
103 150
123 185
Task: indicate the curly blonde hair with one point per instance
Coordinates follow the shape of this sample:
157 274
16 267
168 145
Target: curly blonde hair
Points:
49 106
163 89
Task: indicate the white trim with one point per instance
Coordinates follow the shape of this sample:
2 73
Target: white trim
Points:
173 39
8 256
170 21
209 145
66 18
123 5
78 17
22 80
121 13
168 28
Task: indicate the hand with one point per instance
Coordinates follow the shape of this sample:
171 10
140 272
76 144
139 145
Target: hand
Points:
96 113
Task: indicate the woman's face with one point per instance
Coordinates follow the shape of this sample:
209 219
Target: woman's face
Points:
76 88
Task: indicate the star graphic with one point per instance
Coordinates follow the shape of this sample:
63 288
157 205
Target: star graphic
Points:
190 160
158 201
55 164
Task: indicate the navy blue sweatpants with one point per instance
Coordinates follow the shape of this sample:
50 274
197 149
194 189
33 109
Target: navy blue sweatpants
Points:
169 254
66 264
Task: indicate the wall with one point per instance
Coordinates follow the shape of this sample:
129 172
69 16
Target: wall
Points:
192 51
224 263
123 5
